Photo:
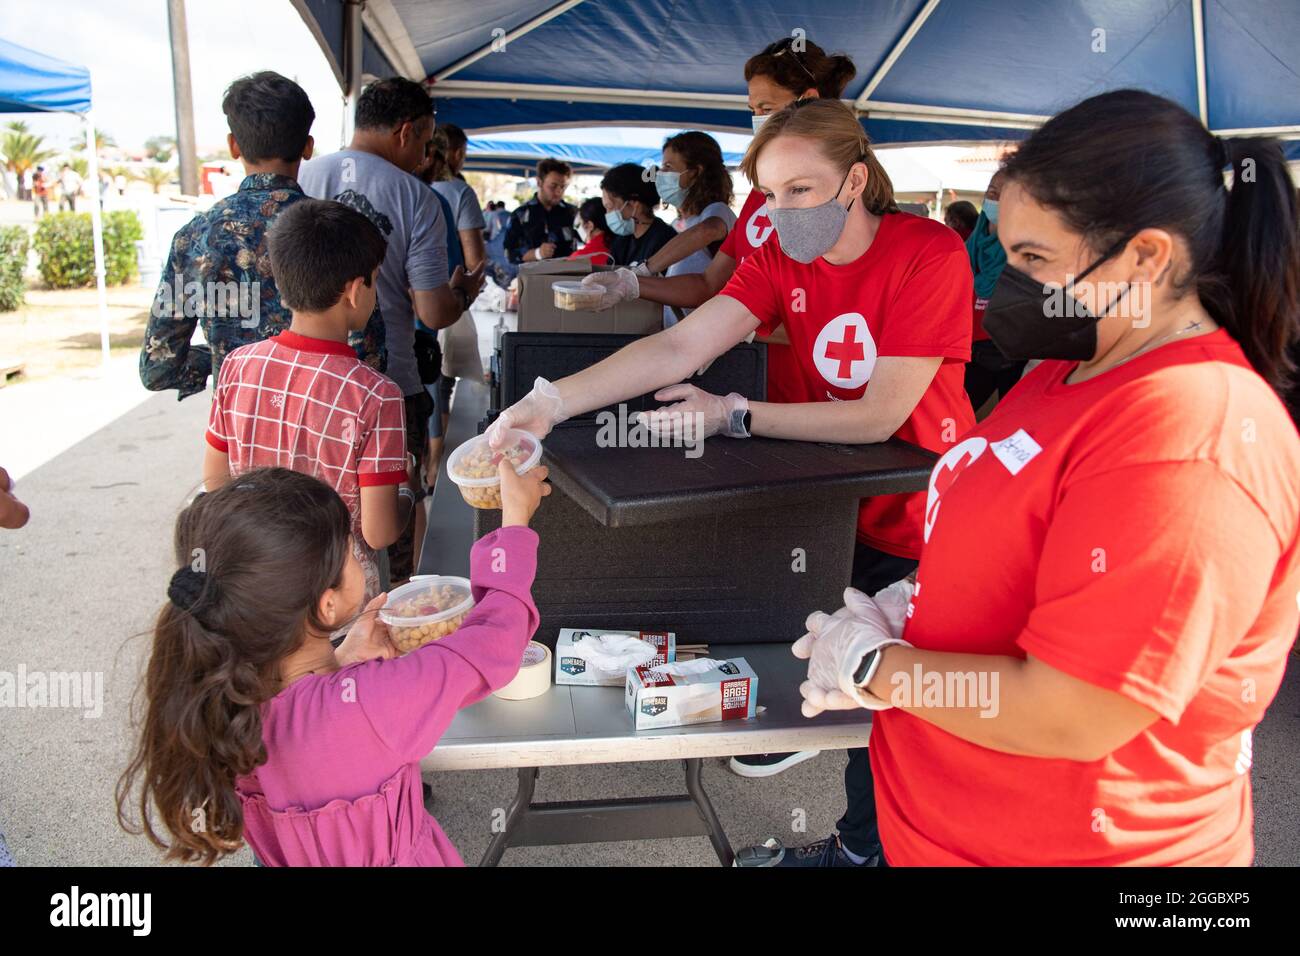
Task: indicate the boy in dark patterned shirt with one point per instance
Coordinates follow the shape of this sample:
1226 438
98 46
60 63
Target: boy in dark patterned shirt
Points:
218 274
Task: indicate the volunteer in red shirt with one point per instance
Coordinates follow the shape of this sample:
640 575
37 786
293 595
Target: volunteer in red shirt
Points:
776 76
876 303
594 232
1138 488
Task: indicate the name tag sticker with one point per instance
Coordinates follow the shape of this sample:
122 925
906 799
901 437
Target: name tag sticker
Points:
1016 451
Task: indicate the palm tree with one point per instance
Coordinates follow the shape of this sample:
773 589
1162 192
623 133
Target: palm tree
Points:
155 176
103 140
22 150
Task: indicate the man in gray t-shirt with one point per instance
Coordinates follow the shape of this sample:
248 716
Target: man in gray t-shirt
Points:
394 130
411 220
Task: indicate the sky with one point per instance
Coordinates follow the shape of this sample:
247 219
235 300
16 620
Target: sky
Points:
125 45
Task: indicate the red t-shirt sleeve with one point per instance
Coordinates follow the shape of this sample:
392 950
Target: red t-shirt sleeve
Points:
382 460
1149 578
931 313
752 285
729 241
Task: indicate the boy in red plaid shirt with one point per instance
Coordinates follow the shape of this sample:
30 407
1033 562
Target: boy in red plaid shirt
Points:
301 399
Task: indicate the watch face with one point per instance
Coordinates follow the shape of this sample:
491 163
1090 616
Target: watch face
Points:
864 669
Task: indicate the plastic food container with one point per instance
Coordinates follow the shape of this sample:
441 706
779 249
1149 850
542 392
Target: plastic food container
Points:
427 609
473 466
576 297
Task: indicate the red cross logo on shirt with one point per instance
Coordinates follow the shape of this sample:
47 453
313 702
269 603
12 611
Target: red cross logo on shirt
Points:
845 352
946 471
759 227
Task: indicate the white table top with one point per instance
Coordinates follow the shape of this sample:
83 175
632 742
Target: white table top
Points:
589 725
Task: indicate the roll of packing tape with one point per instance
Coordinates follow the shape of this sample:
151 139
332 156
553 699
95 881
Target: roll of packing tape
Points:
534 677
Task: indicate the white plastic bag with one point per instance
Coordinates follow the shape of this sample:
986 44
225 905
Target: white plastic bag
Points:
614 653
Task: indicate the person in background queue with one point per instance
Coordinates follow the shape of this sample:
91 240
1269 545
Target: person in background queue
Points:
961 216
542 228
989 372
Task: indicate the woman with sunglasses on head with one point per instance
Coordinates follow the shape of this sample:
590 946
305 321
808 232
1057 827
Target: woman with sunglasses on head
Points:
876 304
1139 490
779 74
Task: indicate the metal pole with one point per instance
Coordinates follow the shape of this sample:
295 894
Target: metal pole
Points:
352 55
97 235
186 151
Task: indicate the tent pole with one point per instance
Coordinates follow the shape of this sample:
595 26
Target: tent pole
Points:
97 234
352 55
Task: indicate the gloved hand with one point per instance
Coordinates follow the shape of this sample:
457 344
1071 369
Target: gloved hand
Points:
893 602
618 286
640 269
696 414
536 413
834 647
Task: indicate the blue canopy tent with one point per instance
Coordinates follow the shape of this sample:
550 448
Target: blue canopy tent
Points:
930 71
32 82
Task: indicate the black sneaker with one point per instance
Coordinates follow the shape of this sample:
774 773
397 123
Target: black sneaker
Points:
768 765
823 853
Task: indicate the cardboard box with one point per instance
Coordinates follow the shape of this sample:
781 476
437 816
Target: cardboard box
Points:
537 311
571 667
729 692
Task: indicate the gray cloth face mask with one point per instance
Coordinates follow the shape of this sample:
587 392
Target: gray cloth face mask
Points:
806 234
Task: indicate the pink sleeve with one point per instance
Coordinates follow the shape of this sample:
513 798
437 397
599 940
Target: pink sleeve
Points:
411 700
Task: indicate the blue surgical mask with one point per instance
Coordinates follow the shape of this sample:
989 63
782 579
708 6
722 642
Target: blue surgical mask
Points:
670 189
618 224
757 121
991 210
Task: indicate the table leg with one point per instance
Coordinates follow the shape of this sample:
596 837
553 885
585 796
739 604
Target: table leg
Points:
523 797
695 787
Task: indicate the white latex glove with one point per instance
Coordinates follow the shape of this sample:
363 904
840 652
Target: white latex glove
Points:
618 286
640 269
834 647
695 414
893 602
536 413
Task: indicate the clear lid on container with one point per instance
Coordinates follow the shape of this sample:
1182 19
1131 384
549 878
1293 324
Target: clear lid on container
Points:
427 599
577 287
477 451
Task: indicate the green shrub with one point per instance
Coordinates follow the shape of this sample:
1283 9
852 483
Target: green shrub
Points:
66 249
13 260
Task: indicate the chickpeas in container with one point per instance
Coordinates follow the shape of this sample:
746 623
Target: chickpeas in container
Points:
427 609
576 297
473 466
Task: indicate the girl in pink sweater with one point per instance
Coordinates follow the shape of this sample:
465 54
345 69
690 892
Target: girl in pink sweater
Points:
257 729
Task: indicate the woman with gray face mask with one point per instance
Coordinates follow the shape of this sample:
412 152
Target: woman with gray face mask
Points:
876 304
